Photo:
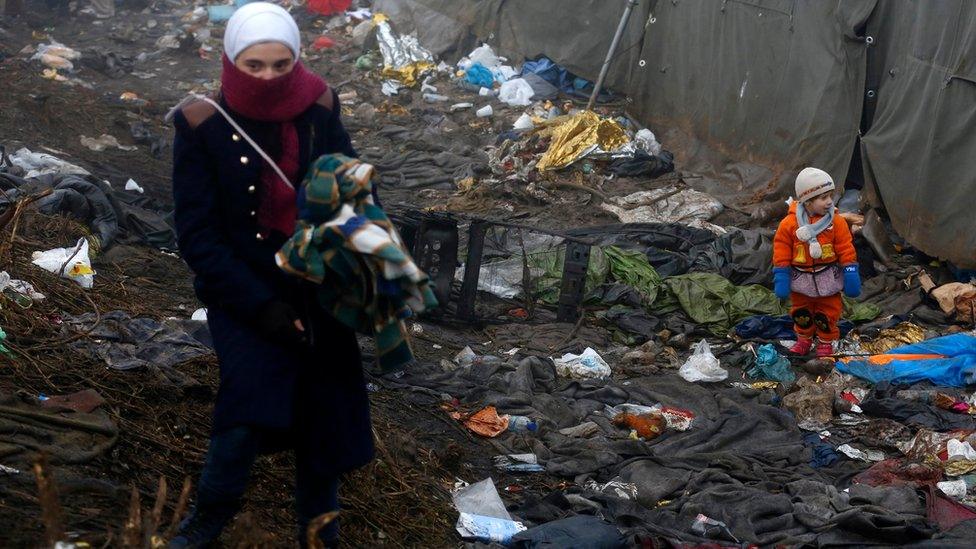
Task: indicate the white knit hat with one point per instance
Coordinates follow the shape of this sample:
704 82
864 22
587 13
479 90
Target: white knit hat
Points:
260 22
812 182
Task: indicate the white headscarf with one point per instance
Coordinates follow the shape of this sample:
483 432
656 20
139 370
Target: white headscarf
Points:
259 22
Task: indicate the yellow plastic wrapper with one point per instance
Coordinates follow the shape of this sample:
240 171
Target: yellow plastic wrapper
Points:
573 137
959 468
410 74
905 333
760 385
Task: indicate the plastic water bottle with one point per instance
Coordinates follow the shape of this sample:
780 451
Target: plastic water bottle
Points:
435 98
522 424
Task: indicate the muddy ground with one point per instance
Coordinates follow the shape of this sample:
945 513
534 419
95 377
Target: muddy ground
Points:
402 499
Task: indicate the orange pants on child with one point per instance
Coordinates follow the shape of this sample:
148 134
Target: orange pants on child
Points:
816 316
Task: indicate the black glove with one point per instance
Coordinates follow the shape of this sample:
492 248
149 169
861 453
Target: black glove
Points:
277 322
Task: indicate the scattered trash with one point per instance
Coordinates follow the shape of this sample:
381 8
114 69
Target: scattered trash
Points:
365 62
4 470
522 424
71 263
524 122
83 402
665 205
435 98
131 185
483 516
588 365
519 463
677 419
330 7
16 289
404 59
702 365
771 365
461 106
854 453
479 75
323 43
645 140
220 13
391 87
483 55
487 422
485 112
704 527
617 488
955 489
574 137
199 315
646 426
516 93
103 142
957 450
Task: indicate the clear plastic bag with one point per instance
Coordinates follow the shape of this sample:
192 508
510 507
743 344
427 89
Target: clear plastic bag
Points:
702 365
516 93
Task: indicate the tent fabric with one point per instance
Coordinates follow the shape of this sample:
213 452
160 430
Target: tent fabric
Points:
947 361
746 93
917 152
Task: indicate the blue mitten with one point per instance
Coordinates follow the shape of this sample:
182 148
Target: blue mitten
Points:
852 280
781 282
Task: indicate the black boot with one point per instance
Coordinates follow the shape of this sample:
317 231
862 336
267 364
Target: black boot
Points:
203 527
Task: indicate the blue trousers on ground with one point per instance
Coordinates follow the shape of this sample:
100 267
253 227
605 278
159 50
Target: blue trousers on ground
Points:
230 457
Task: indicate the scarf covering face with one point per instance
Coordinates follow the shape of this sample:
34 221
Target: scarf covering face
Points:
808 232
279 100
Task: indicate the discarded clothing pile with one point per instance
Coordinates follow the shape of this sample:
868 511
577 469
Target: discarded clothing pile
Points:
424 159
742 256
113 216
741 472
126 343
344 243
27 428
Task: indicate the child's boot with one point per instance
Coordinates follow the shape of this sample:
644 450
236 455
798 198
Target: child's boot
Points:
824 349
802 346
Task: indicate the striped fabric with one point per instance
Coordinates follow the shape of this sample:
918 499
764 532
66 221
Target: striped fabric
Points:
345 243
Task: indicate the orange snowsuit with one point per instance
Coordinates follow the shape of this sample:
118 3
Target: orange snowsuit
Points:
814 315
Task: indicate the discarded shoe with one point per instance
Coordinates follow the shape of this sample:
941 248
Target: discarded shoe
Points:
802 346
824 349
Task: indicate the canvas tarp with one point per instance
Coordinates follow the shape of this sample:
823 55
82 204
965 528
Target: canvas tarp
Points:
747 93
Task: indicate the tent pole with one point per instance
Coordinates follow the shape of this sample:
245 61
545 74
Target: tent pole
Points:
631 4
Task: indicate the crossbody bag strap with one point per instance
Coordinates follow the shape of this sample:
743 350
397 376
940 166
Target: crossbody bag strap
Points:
238 129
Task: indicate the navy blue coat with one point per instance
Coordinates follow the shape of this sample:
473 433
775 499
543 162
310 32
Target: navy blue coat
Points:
313 394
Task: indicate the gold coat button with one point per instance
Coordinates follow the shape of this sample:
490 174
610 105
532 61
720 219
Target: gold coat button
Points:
235 137
251 189
245 160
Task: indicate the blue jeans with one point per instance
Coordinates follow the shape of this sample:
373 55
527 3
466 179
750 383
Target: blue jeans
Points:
223 480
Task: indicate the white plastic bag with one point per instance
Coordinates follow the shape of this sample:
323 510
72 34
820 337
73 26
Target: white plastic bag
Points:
484 55
645 140
960 451
588 365
702 365
71 263
516 93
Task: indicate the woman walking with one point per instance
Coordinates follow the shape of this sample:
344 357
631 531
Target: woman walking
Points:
290 376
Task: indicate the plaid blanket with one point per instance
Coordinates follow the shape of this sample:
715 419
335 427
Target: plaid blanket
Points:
345 243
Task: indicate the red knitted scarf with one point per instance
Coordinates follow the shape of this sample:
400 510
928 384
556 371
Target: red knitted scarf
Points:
279 100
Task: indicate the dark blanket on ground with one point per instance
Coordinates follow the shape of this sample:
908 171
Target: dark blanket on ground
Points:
743 463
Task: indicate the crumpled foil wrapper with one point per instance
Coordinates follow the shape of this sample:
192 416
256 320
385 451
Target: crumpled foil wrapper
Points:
576 136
